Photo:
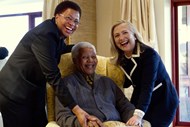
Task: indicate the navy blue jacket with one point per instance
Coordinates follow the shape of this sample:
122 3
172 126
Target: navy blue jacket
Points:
154 92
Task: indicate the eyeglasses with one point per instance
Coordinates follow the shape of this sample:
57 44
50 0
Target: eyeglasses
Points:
70 19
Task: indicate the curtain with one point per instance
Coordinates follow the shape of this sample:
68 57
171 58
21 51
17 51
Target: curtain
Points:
141 14
49 7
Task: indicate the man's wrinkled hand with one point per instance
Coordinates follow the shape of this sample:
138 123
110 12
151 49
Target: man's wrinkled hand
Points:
94 122
85 119
81 115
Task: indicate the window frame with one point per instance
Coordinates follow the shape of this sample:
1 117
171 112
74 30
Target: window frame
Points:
175 56
31 17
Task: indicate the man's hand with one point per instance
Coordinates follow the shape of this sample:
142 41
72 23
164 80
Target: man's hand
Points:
85 119
94 122
81 115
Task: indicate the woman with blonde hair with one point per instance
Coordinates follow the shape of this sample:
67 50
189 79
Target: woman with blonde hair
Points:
154 95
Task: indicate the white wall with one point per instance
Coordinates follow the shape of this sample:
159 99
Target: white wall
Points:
105 16
1 121
163 25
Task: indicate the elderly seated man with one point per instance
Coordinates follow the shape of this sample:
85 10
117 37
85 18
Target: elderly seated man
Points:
97 95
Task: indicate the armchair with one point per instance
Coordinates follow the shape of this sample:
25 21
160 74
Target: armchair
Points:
104 67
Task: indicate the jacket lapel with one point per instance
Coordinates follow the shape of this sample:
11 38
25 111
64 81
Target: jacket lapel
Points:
137 54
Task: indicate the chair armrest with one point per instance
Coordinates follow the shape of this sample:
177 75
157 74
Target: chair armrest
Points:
145 123
52 124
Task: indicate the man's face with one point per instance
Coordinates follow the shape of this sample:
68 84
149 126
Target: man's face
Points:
86 61
67 21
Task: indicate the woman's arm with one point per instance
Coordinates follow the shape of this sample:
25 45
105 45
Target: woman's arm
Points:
150 63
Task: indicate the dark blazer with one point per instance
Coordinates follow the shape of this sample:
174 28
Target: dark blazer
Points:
33 63
153 92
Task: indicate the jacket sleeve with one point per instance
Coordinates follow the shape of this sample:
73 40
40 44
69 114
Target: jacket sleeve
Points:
46 51
150 65
64 115
125 108
67 49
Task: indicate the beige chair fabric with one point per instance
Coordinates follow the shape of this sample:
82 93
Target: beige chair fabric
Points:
121 124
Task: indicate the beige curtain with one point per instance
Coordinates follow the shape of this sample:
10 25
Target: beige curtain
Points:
49 7
141 14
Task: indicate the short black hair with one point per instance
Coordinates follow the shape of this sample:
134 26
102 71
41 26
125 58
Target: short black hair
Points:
61 7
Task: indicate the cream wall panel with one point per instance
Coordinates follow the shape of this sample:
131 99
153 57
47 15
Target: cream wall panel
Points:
96 21
107 13
87 27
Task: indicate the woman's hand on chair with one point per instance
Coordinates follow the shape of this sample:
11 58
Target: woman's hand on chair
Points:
134 121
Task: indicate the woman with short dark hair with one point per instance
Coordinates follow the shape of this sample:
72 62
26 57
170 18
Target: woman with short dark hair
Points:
33 63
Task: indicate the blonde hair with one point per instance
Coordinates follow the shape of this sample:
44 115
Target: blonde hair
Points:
115 51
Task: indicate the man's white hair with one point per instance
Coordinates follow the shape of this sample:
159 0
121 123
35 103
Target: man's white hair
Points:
75 49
